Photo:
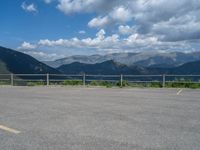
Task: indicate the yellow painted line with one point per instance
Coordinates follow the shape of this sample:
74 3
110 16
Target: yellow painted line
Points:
179 92
9 129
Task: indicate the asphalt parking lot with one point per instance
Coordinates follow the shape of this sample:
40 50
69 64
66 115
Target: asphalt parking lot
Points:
59 118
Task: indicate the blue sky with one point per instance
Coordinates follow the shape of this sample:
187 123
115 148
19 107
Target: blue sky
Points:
19 25
52 29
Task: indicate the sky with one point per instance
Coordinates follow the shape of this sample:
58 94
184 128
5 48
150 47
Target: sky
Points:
53 29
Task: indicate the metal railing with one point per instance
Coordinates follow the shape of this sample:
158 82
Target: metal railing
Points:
84 79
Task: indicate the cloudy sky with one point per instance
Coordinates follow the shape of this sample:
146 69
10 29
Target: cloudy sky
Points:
52 29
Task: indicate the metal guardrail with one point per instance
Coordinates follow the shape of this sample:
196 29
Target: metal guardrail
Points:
86 78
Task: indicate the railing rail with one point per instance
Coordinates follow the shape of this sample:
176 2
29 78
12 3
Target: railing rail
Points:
85 78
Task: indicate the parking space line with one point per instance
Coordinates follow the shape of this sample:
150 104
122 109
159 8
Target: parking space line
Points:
179 92
9 129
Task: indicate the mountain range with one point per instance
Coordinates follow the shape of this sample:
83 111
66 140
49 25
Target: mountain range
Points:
12 61
143 59
108 68
113 68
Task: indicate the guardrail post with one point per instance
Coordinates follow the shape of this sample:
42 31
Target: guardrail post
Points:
11 79
47 79
121 80
84 79
163 80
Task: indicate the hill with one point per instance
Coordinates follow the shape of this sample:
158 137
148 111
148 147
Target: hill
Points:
111 67
106 68
19 63
3 68
188 68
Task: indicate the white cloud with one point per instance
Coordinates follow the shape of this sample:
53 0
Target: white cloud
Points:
102 43
148 16
125 30
99 41
82 32
139 39
177 29
29 7
99 22
26 46
73 6
100 34
121 14
44 56
136 25
60 42
168 20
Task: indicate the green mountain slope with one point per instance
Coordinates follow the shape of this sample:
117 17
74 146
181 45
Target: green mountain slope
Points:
188 68
3 68
19 63
107 67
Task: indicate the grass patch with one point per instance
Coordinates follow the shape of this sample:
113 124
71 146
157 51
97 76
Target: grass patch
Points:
38 83
72 82
4 82
101 83
183 85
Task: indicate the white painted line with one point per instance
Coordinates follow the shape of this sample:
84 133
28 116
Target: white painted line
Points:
9 129
179 92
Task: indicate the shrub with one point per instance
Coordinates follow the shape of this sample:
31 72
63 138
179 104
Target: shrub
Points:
195 85
155 84
94 83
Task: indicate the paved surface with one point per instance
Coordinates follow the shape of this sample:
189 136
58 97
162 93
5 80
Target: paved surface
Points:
41 118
